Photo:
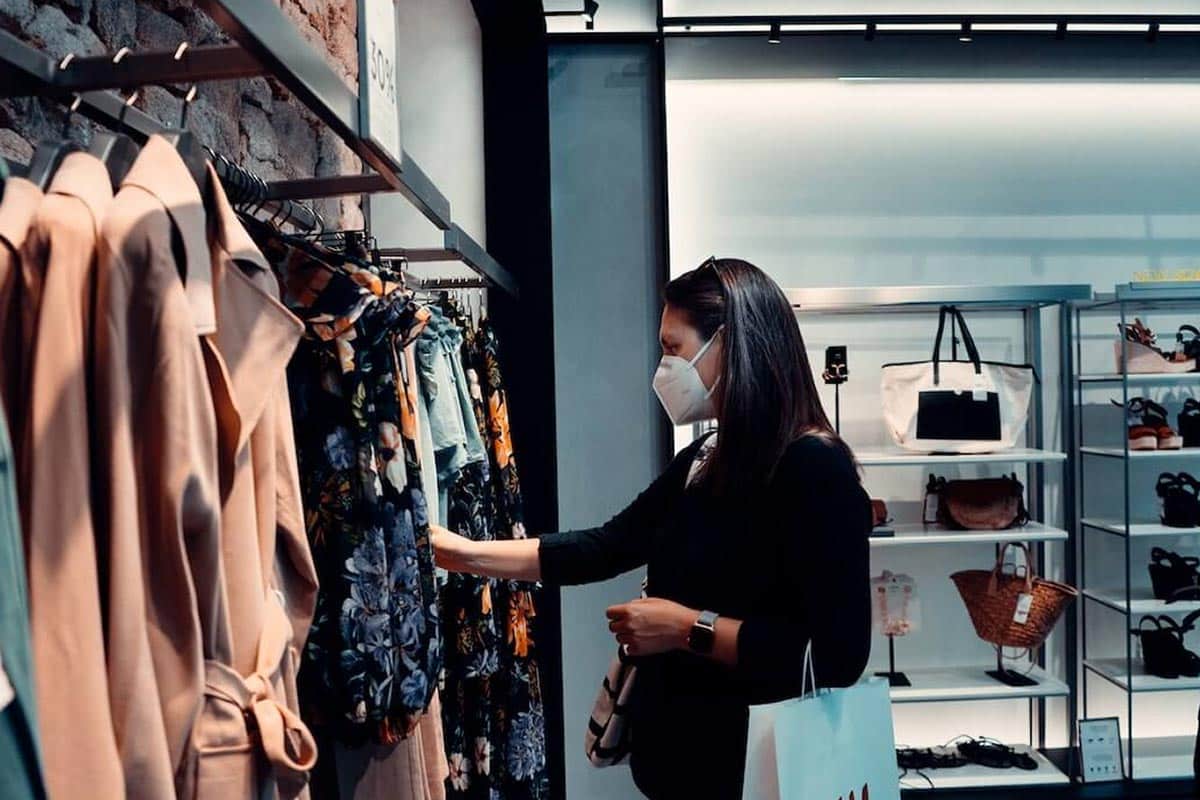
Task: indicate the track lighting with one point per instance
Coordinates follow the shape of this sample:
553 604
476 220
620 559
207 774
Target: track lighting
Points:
965 36
774 36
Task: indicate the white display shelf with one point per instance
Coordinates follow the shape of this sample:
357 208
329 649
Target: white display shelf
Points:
917 533
1141 601
1118 452
1140 680
1136 529
972 683
1163 757
1144 377
895 457
973 775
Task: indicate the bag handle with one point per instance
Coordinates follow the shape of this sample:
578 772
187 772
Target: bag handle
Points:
810 673
968 341
997 570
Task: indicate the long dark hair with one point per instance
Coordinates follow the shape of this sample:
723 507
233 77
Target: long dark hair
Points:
766 396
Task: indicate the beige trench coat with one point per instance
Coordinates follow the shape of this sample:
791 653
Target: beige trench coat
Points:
157 477
271 582
21 201
64 591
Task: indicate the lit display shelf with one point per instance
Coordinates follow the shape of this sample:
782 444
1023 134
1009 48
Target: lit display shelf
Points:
895 457
1139 455
1136 529
1115 671
1141 601
973 683
973 775
919 534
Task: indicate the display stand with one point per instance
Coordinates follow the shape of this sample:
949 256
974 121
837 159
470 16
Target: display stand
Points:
1110 514
1008 676
894 678
941 684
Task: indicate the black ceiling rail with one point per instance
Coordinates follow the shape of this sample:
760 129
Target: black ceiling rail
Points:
674 26
261 28
267 44
458 246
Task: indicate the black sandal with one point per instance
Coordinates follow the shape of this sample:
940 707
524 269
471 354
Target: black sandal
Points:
1179 500
1189 422
1163 653
990 753
1174 577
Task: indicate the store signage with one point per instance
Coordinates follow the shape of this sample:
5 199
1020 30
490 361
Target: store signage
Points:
378 102
1100 750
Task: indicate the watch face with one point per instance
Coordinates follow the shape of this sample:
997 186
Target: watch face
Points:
700 639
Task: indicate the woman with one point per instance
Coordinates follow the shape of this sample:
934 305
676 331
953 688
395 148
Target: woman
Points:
755 539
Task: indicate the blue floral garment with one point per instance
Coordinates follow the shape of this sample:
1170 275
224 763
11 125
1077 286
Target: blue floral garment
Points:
374 652
492 706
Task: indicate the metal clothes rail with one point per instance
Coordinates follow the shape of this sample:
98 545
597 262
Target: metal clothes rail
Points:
267 43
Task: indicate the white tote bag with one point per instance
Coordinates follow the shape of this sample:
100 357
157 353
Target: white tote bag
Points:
829 744
971 406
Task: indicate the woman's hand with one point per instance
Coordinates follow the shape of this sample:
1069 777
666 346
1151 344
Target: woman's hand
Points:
651 625
450 550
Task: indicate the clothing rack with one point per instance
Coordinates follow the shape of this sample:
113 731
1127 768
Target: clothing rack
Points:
249 192
266 43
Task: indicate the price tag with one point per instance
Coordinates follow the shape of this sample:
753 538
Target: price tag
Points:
1024 604
980 391
931 508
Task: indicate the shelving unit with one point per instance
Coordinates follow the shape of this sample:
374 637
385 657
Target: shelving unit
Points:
960 685
1128 597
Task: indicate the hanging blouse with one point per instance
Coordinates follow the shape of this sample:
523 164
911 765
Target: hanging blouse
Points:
373 656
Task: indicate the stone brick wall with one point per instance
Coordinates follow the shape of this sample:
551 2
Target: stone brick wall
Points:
254 122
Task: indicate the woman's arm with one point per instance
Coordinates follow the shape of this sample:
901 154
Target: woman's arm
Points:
574 557
515 559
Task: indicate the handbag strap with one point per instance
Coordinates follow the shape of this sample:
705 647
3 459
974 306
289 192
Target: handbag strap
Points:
968 341
810 673
994 583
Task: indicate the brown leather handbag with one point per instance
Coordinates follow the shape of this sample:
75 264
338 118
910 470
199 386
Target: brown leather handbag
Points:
989 504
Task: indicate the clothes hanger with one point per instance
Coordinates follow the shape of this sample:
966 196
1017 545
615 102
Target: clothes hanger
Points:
50 153
185 142
115 148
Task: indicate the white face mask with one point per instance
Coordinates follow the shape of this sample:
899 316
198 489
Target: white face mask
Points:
681 390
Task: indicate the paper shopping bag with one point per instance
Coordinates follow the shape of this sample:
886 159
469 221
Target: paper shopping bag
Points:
830 745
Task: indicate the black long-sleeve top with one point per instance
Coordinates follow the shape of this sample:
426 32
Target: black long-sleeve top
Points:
791 563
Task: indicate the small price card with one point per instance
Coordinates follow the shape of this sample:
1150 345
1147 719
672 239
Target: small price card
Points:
1100 750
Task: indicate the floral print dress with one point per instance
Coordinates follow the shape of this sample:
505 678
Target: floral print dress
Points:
374 653
492 712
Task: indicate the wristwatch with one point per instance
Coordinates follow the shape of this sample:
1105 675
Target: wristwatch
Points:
703 633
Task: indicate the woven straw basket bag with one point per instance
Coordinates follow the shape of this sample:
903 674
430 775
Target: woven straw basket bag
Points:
991 597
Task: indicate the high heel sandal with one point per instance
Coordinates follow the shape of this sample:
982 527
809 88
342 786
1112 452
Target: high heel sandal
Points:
1148 427
1163 653
990 753
1174 577
1189 422
1178 500
1138 349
